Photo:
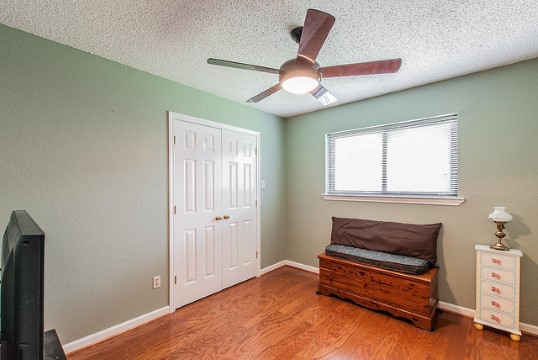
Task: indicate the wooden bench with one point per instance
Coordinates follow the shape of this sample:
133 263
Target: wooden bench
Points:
413 297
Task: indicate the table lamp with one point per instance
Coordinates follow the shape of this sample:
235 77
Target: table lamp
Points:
499 216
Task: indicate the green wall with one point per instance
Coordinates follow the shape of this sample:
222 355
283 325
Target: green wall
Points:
498 126
84 149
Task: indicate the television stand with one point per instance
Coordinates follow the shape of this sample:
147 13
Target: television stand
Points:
53 347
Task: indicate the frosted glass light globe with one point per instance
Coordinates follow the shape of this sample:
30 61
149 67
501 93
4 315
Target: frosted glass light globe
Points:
299 84
499 214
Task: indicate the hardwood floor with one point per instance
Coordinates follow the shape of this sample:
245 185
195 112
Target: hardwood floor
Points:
280 316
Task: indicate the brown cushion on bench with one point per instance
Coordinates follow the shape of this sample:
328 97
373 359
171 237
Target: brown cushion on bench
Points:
418 241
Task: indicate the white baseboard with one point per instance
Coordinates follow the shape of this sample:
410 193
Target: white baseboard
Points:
115 330
130 324
460 310
297 265
294 264
529 329
272 267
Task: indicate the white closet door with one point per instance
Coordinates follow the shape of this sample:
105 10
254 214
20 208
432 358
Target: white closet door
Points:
197 195
239 179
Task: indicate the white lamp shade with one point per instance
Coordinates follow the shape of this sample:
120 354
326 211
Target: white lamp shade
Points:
499 214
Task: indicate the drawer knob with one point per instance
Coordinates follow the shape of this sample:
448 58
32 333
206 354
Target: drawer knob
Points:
495 318
496 304
496 261
496 290
496 276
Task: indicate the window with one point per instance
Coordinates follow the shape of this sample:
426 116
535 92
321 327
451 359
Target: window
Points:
415 159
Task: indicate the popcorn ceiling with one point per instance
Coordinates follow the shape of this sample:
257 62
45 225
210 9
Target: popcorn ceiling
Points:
437 40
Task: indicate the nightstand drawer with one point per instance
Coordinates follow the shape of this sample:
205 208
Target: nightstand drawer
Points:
497 304
498 260
498 289
497 318
497 275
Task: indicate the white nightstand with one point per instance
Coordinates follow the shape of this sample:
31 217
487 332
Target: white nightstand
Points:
497 289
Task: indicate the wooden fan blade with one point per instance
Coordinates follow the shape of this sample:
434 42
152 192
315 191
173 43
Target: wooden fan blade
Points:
237 65
323 95
317 26
365 68
265 94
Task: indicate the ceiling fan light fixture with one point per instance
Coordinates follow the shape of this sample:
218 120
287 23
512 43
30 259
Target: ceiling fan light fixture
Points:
303 73
300 84
299 80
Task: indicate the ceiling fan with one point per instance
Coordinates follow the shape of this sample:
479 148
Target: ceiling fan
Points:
303 74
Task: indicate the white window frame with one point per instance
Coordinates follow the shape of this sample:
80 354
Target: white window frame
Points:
385 196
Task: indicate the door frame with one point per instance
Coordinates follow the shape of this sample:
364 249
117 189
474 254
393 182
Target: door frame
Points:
172 116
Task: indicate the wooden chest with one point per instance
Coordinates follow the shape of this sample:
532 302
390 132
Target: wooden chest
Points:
413 297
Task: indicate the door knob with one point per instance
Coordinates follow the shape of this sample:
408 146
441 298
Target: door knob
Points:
218 218
226 217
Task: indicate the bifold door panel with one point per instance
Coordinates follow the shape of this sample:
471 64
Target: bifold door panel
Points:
215 225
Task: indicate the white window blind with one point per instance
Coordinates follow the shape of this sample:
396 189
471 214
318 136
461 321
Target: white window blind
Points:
418 158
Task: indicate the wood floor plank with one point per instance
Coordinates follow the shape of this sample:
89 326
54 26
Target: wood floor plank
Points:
280 316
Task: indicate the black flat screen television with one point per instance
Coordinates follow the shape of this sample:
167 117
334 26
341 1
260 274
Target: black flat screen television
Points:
23 255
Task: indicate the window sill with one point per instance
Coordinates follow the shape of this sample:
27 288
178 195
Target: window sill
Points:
424 200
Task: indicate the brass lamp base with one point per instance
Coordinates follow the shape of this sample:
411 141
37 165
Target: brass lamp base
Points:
500 246
500 234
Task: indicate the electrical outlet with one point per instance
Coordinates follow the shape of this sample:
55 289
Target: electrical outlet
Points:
157 281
